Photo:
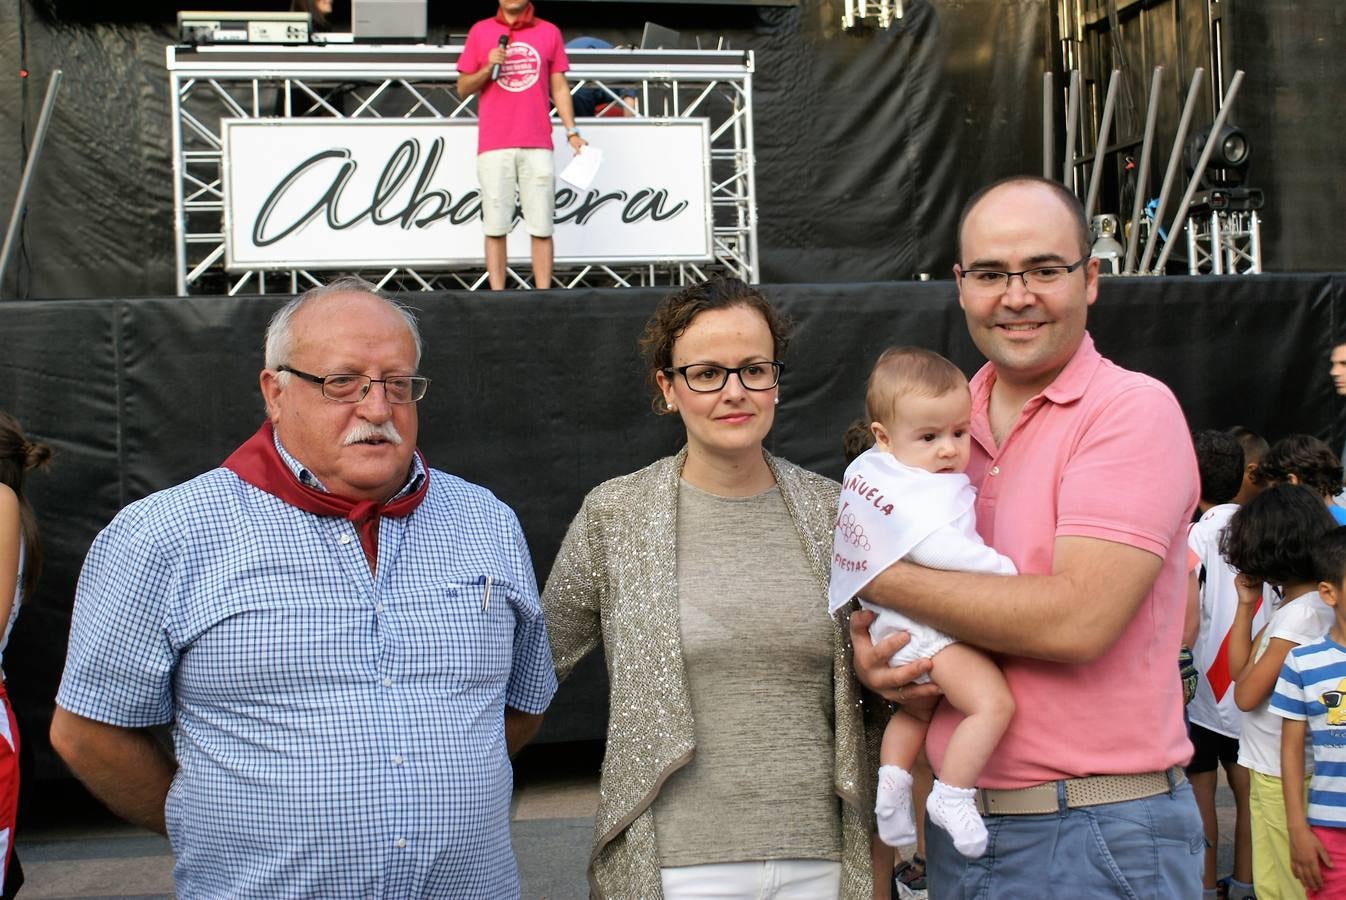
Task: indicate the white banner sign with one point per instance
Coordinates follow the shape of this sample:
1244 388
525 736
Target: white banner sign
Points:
366 193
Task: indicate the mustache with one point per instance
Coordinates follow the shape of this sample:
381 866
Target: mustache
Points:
364 431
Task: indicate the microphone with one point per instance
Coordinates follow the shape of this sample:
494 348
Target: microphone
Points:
495 69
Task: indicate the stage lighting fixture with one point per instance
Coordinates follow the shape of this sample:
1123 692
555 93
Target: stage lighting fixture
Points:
1228 163
857 13
1107 248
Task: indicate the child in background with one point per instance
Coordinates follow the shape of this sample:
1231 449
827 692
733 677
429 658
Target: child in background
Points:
907 498
1269 540
20 563
1215 722
1254 448
1311 698
1303 459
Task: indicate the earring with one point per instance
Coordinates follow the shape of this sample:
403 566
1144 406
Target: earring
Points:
778 401
671 407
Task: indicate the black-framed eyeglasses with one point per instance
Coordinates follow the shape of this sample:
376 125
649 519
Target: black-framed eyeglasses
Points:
1331 699
989 281
346 387
705 378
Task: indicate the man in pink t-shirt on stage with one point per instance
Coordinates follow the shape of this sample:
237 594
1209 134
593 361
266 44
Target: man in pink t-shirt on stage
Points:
517 62
1086 480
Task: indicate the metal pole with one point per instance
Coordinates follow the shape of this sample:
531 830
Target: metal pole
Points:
1255 240
1072 115
749 158
1174 158
1206 152
1048 125
1143 173
1216 47
1104 128
1218 245
180 171
34 151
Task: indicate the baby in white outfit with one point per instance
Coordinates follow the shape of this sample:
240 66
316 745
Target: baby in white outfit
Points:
907 498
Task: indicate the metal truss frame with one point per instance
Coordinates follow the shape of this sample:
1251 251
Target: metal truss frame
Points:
357 81
1227 242
883 12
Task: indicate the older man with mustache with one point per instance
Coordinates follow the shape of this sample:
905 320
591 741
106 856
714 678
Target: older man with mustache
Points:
346 643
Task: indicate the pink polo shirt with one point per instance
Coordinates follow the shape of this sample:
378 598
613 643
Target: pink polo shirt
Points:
513 111
1101 453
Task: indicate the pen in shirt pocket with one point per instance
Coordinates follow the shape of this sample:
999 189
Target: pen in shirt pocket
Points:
486 581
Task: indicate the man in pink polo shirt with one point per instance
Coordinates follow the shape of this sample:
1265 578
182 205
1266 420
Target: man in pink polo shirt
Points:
1086 479
517 63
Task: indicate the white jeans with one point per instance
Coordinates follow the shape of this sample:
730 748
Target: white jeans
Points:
772 879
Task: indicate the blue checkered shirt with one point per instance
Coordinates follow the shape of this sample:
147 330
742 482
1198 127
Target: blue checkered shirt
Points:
337 734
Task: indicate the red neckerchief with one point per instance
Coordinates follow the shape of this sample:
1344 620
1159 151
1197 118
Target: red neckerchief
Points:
258 463
525 19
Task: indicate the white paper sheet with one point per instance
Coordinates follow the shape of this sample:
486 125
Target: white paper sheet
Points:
583 168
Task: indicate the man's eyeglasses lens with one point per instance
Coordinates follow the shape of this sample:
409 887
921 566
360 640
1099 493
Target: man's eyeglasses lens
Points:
706 379
351 388
1041 278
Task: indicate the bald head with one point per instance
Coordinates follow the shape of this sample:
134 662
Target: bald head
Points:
280 331
1055 189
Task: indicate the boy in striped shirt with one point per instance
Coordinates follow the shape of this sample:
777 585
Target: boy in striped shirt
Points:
1311 697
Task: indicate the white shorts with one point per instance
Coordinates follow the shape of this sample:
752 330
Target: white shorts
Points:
777 879
527 171
925 641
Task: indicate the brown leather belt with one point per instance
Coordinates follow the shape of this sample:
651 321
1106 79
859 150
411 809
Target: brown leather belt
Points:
1094 790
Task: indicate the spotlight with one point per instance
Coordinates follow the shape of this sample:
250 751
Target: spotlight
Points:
1228 163
1106 247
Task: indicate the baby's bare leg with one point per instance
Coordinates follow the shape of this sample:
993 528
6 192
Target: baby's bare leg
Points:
905 733
974 686
902 741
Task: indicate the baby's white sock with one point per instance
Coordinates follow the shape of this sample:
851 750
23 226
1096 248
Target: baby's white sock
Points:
955 810
892 805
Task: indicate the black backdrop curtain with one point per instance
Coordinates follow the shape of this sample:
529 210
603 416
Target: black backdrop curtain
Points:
137 395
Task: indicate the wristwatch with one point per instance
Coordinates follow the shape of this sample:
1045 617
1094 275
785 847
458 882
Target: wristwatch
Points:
572 132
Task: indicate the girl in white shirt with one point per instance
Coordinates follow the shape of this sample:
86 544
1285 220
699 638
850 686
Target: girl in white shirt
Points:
1269 541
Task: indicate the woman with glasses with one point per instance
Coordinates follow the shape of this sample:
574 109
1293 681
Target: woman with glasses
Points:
736 757
20 562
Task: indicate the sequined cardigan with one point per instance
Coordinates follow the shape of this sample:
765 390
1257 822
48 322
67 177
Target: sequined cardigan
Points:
615 580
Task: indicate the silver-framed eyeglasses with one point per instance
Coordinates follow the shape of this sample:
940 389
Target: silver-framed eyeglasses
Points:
348 387
705 378
1038 278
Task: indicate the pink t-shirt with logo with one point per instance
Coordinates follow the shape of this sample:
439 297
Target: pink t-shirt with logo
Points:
512 111
1101 453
